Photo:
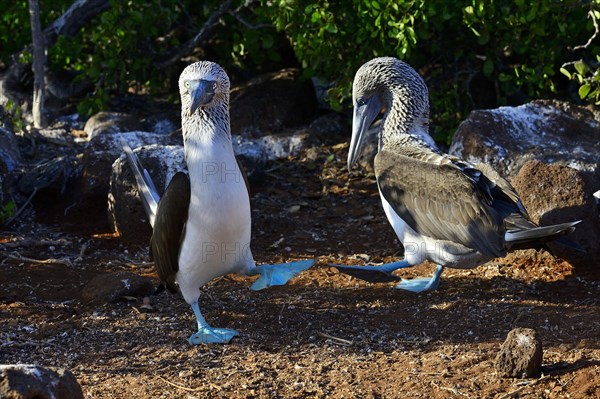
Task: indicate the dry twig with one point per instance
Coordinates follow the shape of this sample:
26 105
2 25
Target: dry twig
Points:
50 261
340 340
179 386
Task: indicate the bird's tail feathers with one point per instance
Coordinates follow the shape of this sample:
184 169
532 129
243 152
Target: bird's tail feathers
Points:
146 187
535 236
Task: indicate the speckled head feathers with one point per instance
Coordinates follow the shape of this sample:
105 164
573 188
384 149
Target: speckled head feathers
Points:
205 70
389 76
402 93
204 87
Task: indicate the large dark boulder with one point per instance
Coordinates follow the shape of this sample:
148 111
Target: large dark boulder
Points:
272 103
554 193
125 211
550 131
97 160
550 151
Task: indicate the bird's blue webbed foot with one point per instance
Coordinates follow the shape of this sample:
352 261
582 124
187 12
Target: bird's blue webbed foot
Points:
207 334
374 274
422 284
212 335
280 274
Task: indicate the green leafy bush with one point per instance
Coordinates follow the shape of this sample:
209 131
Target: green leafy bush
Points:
473 53
517 47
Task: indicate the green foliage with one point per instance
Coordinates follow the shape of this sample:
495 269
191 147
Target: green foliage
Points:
15 30
516 48
7 211
15 114
117 51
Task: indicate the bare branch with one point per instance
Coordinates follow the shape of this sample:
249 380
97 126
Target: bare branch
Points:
69 23
39 64
596 30
248 24
188 46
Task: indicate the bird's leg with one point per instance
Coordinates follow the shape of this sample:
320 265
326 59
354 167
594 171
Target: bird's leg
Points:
422 284
207 334
270 275
374 274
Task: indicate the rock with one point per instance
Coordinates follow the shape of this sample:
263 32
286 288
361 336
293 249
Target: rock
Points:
520 355
328 125
97 161
110 122
54 174
283 98
160 125
562 194
111 287
549 131
24 381
125 210
10 156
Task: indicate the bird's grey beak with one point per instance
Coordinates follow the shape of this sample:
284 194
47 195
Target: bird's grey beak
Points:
364 115
202 92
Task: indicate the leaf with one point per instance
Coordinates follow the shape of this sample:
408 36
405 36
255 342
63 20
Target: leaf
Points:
581 67
584 91
268 41
564 71
488 68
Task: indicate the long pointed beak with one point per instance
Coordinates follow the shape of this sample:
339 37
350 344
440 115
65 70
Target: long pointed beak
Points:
201 92
364 115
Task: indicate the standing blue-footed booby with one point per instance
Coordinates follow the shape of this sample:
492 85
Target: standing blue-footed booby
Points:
201 225
441 208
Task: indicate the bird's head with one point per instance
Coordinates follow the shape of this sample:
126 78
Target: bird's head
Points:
202 84
385 84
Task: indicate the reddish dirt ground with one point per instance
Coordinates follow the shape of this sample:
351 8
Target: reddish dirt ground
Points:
324 335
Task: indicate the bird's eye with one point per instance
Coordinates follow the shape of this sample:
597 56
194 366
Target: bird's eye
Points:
214 86
187 84
361 101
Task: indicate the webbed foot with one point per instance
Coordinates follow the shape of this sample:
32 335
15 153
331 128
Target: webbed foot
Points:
374 274
212 335
280 274
423 283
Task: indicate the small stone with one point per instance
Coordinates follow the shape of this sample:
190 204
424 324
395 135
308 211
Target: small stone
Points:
520 355
111 287
110 122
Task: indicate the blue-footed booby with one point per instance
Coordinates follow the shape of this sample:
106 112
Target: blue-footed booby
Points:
442 209
201 225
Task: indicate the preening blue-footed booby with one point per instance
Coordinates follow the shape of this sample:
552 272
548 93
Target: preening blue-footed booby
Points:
201 225
442 209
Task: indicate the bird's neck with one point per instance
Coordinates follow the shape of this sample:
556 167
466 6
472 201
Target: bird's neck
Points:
415 136
207 143
404 123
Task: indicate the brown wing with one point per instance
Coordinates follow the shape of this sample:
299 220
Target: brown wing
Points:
441 202
169 226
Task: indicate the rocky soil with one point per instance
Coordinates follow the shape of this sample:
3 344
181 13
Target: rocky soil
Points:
323 335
